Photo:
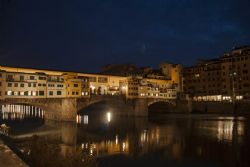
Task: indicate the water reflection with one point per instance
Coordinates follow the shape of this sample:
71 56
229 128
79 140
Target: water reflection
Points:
19 112
214 140
82 119
106 147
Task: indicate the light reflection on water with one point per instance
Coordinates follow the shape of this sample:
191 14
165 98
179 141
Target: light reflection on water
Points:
221 141
16 111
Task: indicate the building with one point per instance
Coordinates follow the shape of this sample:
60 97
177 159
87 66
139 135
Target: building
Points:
36 83
55 86
223 78
24 83
163 83
134 87
50 83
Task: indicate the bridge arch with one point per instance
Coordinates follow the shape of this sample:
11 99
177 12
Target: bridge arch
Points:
160 106
153 101
113 102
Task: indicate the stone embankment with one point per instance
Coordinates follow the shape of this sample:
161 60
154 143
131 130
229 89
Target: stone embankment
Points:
8 158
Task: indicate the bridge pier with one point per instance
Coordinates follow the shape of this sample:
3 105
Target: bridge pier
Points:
140 107
63 110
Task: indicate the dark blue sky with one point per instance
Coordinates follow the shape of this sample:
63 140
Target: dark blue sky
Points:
83 35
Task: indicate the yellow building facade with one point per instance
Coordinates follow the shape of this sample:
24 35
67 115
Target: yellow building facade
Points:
36 83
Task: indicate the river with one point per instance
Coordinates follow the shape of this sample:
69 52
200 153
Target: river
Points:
101 138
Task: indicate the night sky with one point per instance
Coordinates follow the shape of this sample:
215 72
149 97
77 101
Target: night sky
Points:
83 35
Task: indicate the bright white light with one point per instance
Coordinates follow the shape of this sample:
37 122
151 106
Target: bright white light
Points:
116 139
92 87
86 119
108 116
77 119
91 151
123 146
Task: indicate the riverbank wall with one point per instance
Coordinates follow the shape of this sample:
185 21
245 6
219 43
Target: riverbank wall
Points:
8 158
216 107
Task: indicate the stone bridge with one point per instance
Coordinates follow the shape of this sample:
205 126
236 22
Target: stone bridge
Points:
66 109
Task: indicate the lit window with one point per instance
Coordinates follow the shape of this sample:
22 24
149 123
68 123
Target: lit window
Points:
59 92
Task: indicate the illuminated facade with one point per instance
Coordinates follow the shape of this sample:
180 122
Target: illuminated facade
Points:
224 78
147 88
25 83
35 83
165 83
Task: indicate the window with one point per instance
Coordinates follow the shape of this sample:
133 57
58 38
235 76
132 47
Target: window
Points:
39 84
26 93
22 85
29 84
0 75
41 93
75 85
32 77
245 71
92 79
42 78
16 84
102 79
10 77
246 85
0 83
59 92
77 93
21 78
73 93
34 85
9 84
51 93
9 93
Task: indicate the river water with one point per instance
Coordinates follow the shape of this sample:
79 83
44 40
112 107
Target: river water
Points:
101 138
